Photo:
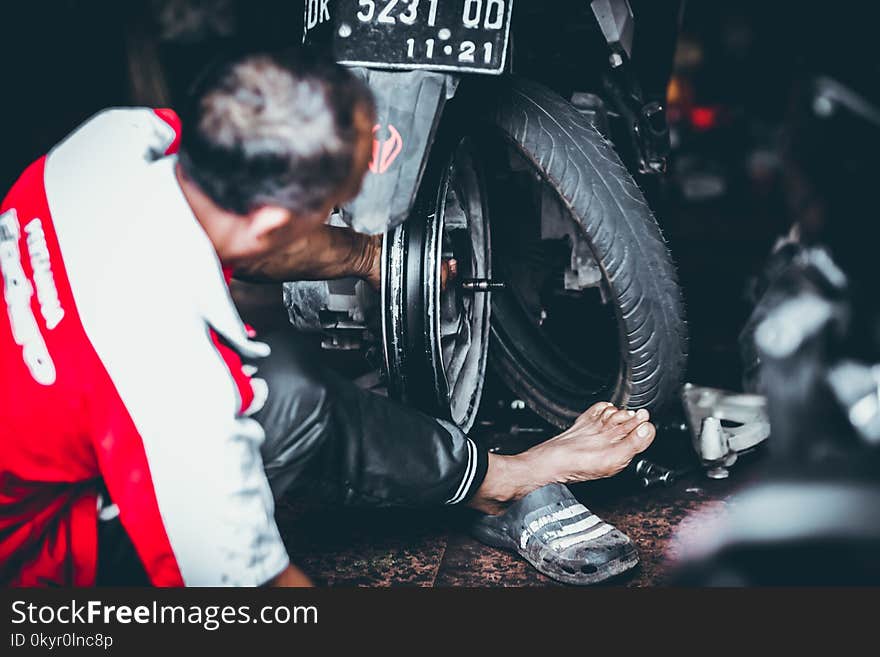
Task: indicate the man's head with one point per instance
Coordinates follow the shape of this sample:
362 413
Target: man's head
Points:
275 142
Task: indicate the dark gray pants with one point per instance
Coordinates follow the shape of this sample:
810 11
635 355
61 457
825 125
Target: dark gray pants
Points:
351 445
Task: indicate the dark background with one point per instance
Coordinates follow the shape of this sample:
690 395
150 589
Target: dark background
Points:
738 67
748 161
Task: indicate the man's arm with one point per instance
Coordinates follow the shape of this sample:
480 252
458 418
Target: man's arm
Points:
327 253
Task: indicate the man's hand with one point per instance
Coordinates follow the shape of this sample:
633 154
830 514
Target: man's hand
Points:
370 267
600 443
291 577
448 272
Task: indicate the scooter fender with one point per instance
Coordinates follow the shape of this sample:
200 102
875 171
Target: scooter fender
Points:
409 105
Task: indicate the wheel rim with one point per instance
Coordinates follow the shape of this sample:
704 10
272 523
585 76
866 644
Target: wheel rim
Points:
436 340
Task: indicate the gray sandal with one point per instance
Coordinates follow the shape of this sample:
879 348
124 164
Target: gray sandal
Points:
560 537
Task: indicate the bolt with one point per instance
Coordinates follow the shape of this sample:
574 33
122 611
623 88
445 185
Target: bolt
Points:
655 115
481 285
718 473
615 59
345 30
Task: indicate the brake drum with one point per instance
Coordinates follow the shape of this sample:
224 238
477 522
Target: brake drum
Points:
435 337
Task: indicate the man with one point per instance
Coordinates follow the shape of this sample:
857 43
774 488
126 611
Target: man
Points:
131 432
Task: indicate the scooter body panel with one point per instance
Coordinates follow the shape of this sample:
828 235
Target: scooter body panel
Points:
409 105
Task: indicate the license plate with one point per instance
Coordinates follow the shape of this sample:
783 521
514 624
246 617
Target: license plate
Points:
460 35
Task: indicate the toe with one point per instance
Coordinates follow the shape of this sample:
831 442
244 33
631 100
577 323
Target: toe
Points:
607 414
595 410
592 415
620 417
640 437
631 423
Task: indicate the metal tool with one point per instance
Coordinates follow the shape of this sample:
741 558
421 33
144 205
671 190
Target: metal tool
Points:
653 474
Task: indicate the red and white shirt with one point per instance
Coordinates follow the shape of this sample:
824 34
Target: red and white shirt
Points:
120 363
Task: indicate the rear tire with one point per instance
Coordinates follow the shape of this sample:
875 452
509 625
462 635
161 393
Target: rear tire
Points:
640 281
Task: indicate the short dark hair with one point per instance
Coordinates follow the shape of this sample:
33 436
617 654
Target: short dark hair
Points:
273 129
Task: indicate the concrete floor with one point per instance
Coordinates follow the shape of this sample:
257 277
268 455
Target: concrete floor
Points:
378 548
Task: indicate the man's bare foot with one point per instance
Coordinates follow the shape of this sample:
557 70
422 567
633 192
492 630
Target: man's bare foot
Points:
601 443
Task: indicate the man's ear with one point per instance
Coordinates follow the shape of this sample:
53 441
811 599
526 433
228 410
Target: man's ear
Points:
266 219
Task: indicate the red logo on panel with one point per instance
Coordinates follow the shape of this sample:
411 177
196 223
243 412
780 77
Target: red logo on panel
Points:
385 151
